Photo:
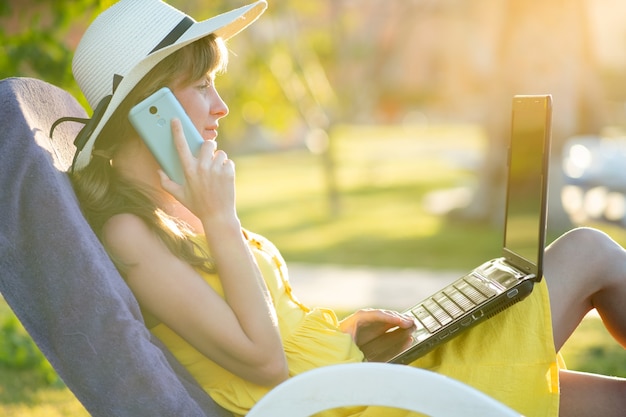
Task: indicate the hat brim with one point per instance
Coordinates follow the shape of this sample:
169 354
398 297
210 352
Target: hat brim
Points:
225 26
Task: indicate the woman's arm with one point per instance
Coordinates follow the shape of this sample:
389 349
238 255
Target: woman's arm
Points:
248 297
239 332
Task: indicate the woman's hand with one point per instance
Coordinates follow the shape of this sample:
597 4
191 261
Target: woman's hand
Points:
209 189
365 325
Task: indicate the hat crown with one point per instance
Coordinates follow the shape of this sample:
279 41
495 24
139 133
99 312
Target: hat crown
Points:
117 40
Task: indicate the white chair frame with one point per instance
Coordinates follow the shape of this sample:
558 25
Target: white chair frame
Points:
377 384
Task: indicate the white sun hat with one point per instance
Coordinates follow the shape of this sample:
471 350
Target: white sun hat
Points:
125 42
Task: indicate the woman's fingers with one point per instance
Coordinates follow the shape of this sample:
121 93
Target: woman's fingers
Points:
209 177
215 161
182 147
208 157
386 316
403 319
207 150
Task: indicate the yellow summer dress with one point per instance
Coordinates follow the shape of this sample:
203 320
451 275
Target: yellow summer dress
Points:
510 357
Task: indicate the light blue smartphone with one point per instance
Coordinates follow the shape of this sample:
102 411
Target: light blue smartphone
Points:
152 118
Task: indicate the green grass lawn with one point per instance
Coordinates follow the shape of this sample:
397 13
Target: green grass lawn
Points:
22 394
592 349
383 176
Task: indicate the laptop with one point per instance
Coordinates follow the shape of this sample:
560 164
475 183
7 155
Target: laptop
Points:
505 280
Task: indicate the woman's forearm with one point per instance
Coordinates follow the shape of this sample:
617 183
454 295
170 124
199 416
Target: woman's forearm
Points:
245 290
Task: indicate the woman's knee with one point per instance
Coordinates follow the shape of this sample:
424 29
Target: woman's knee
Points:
585 237
589 260
578 265
585 245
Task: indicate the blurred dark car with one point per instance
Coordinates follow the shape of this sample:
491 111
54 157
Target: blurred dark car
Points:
594 170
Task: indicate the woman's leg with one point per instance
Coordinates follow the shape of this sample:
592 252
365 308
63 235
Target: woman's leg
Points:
589 395
586 269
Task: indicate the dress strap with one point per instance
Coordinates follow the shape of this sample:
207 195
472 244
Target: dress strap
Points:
280 266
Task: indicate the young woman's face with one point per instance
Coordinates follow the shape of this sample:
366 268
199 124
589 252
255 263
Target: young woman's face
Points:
203 105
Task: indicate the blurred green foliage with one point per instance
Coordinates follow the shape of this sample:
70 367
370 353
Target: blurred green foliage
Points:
37 37
19 352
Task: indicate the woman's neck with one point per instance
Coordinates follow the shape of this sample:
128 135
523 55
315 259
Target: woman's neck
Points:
138 165
174 208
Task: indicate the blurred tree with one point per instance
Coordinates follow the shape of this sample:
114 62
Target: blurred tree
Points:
295 64
267 114
541 47
38 37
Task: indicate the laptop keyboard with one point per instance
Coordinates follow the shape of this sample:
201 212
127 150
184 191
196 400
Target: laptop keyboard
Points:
453 302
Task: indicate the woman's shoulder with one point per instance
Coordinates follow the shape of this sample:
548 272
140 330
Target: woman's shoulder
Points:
124 223
123 232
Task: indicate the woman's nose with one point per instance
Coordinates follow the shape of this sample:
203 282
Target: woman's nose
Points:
218 107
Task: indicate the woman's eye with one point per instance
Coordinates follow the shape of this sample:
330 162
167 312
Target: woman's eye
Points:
206 83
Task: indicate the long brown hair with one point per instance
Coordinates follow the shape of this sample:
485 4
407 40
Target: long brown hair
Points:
103 193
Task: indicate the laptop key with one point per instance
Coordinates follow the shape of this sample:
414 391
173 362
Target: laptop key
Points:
471 292
459 299
448 305
426 318
481 286
437 312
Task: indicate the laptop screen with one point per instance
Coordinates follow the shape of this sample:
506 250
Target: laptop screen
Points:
525 220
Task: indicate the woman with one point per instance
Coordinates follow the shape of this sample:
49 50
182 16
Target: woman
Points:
219 297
